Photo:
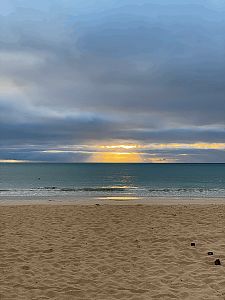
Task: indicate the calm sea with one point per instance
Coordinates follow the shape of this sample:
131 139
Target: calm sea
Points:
149 180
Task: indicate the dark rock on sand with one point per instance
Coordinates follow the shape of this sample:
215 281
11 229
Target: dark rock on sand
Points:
217 262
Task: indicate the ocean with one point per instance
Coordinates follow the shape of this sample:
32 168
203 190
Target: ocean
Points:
126 180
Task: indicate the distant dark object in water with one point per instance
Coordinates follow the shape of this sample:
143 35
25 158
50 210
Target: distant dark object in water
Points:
210 253
39 178
217 262
97 204
193 244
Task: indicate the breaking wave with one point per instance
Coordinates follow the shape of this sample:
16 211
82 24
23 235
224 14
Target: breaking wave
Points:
118 190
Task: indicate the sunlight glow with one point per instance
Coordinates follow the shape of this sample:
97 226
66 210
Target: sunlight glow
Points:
116 157
134 153
12 161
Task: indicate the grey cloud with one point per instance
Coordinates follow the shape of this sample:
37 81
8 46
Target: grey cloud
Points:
145 71
58 129
38 156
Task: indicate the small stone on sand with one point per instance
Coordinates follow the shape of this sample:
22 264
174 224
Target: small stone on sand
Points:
217 262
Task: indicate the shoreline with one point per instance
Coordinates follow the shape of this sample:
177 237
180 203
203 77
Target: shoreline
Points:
113 200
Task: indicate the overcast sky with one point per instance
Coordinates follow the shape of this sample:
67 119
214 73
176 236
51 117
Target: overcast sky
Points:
81 80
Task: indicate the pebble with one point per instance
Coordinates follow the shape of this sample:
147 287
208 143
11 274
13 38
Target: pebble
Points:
217 262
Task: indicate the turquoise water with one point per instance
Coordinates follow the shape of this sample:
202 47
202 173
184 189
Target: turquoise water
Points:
194 180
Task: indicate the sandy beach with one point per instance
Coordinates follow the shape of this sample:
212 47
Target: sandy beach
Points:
107 251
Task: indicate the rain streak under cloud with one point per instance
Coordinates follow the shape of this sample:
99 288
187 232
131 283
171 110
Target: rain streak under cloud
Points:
120 81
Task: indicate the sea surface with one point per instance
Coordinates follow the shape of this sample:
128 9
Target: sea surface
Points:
125 180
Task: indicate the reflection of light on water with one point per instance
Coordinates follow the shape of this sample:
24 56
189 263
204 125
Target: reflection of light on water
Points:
119 187
115 198
123 187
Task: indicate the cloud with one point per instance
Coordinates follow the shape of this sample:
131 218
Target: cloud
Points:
81 73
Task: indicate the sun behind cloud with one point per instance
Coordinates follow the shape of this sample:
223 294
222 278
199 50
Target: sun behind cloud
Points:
125 153
116 157
116 153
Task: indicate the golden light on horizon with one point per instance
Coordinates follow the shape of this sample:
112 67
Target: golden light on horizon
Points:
133 153
127 157
116 153
13 161
116 157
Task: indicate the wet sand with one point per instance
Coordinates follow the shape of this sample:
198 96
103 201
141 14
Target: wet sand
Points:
107 251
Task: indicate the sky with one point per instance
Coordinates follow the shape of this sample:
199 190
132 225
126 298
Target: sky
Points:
112 81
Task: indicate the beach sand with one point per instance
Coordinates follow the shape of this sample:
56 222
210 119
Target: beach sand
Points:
106 252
